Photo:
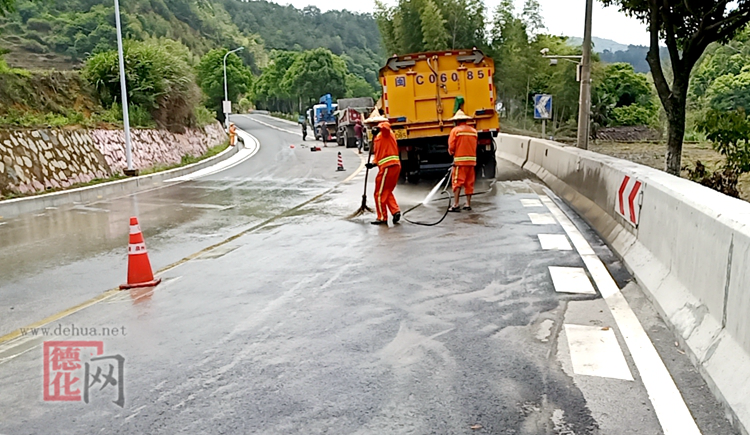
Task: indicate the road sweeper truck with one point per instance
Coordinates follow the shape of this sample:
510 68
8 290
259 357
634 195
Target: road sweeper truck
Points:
422 91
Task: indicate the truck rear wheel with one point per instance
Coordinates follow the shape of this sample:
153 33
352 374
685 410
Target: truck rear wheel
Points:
488 169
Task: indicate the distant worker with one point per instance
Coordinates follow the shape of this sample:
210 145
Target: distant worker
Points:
324 133
358 134
385 153
232 133
303 123
462 145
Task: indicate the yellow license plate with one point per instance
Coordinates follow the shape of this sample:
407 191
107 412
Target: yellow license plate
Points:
400 133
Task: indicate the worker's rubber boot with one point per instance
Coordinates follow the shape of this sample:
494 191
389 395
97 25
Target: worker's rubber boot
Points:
379 222
396 217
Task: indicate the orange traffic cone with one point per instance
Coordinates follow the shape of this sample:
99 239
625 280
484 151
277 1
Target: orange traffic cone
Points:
139 268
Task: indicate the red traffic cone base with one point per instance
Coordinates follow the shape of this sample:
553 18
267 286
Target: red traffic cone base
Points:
139 267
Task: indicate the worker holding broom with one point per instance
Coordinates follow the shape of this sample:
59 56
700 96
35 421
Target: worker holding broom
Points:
385 152
462 145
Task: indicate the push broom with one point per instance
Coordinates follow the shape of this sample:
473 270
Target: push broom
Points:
364 208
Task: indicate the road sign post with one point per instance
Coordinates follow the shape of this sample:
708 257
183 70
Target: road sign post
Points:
543 110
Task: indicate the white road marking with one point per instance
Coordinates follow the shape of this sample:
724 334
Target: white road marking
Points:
554 242
670 407
298 133
571 280
594 351
542 219
251 148
531 203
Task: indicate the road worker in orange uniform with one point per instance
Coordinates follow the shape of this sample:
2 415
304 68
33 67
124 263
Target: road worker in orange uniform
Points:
385 154
462 145
232 133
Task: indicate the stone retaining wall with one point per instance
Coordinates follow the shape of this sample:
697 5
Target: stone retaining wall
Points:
34 160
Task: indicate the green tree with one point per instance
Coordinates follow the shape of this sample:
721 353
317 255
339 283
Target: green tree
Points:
729 133
356 86
434 35
158 81
416 25
730 92
511 50
315 73
688 29
465 23
267 90
6 6
210 71
384 17
532 16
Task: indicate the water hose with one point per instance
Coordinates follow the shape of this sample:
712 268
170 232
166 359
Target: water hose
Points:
449 198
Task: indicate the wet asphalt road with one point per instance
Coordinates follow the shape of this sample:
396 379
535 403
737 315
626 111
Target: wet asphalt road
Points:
313 323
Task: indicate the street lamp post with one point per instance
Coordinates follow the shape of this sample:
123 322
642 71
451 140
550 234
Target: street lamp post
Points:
124 92
226 93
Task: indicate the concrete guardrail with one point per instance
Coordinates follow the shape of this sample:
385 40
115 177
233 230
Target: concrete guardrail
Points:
13 207
687 246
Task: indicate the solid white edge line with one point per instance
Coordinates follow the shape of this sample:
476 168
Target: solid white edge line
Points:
235 160
670 407
274 127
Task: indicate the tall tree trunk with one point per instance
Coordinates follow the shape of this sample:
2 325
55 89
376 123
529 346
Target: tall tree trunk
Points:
675 136
676 128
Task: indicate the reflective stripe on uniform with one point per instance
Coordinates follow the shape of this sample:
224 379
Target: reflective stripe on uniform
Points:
465 159
387 159
380 194
466 133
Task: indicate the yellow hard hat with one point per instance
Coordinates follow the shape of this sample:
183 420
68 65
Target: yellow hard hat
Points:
460 116
375 117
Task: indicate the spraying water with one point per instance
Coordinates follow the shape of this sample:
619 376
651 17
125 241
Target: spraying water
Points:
434 191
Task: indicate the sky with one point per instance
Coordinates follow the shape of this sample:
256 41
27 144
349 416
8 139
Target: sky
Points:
561 17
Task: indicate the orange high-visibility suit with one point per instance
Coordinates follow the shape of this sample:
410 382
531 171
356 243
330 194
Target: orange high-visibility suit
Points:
385 152
232 134
462 145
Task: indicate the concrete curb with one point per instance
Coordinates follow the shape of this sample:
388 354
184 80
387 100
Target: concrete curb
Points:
689 252
13 207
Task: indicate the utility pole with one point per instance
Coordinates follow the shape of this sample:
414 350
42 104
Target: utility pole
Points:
584 102
226 94
124 91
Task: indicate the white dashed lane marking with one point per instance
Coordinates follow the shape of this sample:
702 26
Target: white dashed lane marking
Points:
594 351
531 203
571 280
542 219
554 242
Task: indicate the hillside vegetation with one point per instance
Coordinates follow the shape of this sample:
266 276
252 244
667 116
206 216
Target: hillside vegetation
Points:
61 35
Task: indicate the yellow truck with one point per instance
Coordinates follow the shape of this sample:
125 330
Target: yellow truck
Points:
422 91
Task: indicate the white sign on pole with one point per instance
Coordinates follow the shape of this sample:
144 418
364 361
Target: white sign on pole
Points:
227 106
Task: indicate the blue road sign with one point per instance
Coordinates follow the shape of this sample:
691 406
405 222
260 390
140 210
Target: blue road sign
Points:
542 106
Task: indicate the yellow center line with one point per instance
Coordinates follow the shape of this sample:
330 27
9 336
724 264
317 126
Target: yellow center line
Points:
109 293
17 333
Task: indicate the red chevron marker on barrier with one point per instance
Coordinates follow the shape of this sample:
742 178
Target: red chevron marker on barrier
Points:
628 200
